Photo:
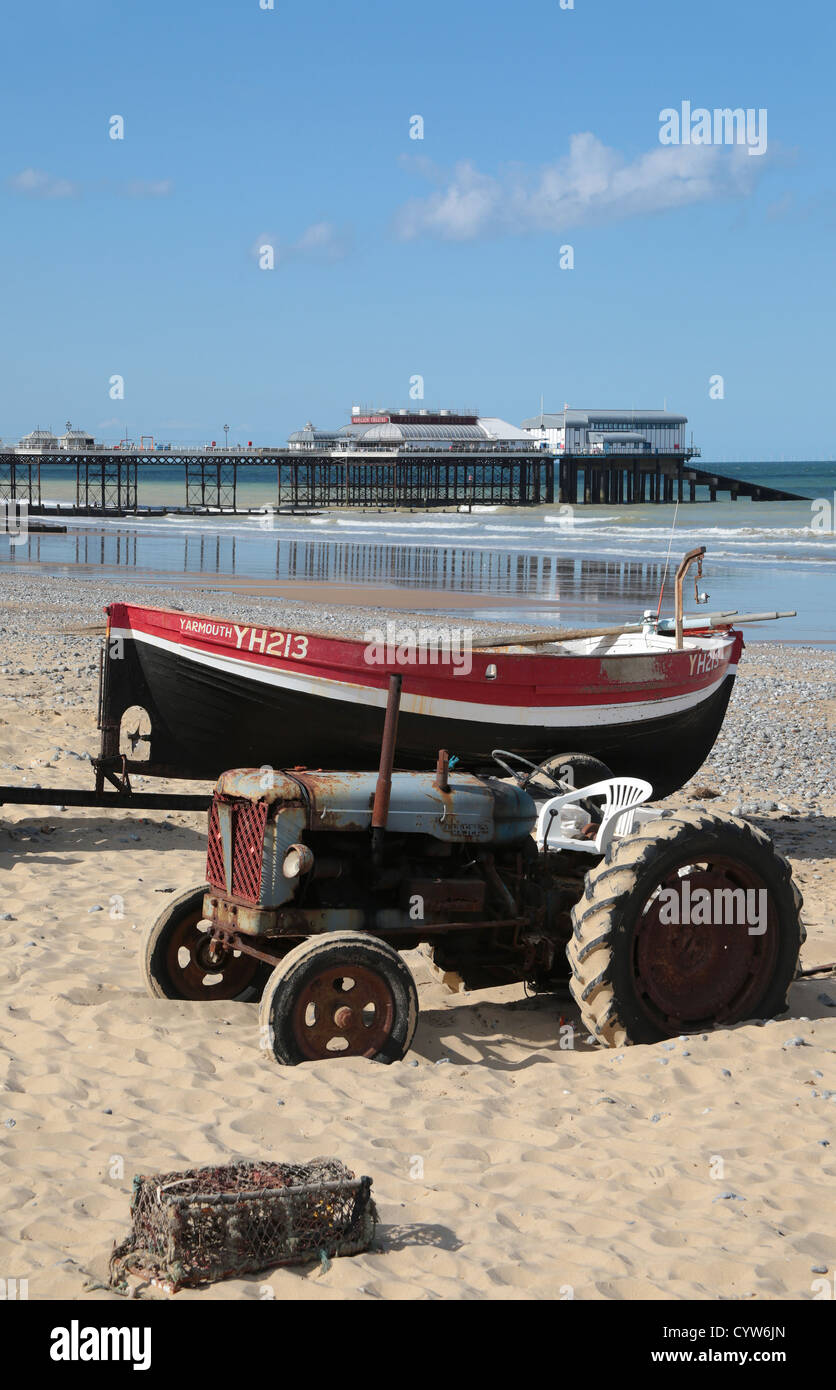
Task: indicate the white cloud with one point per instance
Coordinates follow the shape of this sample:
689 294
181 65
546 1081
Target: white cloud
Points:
592 184
322 241
36 183
149 188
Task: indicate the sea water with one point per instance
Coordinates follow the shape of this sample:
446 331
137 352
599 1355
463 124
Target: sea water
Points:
567 566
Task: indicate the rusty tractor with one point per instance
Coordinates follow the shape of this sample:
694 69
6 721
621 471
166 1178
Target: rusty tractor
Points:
661 922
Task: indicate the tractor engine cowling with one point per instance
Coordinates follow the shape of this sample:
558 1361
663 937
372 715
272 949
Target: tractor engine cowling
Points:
289 855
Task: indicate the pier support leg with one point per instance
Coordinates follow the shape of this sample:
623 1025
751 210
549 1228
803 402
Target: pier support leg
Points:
563 481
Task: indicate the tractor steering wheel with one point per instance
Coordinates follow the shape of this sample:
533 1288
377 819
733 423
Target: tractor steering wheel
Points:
523 778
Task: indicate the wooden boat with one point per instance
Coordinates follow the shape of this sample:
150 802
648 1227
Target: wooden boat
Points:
195 695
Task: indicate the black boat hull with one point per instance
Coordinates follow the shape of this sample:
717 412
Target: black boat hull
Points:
205 721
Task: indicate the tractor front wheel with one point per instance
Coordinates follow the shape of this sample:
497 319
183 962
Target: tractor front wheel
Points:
343 994
179 961
692 922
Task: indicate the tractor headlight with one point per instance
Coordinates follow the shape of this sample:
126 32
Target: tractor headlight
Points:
297 861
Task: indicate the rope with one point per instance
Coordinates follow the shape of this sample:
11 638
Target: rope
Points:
667 560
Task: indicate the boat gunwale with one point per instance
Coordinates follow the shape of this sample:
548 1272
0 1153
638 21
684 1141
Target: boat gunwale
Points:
699 640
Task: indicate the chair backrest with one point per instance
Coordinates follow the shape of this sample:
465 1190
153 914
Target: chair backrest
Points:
621 796
624 794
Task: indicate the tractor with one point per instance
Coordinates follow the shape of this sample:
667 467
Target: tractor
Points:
661 922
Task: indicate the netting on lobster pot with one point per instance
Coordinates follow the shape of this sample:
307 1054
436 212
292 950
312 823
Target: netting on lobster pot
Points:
212 1223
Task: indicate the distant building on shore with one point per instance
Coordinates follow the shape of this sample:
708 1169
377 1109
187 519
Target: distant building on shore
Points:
45 442
404 429
609 431
39 442
309 437
585 433
77 441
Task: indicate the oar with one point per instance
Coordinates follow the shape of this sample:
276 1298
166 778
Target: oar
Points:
535 639
722 619
528 639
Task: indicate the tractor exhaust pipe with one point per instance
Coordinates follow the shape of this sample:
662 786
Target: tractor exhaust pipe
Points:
442 771
383 790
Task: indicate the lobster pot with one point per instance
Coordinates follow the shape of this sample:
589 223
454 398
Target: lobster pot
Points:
214 1223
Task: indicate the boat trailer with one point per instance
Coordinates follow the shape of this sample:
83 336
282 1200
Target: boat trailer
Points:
112 769
124 801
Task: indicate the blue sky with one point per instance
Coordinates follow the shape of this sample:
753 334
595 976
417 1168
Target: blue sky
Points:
396 257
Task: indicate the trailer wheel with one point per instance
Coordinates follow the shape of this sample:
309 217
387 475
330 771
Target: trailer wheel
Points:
343 994
176 960
652 956
566 770
579 769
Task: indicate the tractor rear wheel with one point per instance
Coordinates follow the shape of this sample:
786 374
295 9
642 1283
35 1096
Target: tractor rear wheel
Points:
692 922
342 994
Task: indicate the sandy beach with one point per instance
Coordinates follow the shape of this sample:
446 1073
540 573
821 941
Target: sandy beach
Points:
504 1166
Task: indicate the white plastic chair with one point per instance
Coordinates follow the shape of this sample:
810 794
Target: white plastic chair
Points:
621 795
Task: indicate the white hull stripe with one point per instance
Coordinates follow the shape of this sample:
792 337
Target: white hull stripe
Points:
549 716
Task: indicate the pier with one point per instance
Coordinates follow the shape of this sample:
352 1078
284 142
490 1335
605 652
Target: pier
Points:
506 475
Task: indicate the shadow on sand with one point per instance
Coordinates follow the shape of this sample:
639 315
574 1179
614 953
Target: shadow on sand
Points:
60 838
477 1033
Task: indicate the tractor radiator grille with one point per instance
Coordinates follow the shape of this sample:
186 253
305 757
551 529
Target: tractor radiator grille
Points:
214 851
248 821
